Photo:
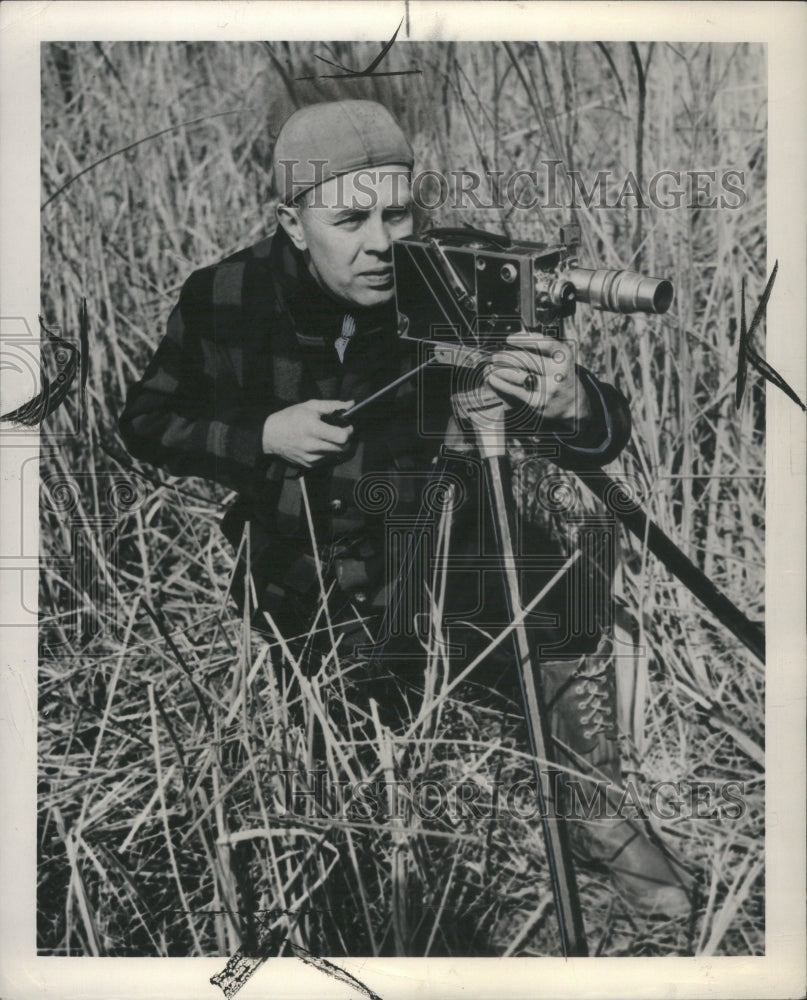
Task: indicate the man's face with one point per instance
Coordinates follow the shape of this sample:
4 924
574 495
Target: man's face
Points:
347 225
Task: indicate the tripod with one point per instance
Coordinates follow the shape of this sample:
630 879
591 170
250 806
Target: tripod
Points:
486 415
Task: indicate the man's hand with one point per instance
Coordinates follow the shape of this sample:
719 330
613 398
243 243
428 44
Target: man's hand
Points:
299 435
539 373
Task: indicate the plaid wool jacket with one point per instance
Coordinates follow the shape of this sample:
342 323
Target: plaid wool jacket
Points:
254 334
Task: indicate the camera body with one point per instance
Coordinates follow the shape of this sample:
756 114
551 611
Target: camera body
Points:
473 288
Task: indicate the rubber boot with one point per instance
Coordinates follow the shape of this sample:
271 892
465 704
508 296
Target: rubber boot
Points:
581 701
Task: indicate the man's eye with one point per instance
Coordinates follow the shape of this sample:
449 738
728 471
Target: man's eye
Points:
396 214
350 220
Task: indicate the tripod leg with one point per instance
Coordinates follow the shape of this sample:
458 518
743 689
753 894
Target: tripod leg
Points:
611 493
558 851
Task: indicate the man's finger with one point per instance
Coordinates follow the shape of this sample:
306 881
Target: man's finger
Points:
512 390
517 368
516 359
320 449
526 339
333 434
331 405
545 347
515 376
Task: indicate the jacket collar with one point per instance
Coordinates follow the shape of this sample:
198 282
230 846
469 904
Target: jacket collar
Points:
318 316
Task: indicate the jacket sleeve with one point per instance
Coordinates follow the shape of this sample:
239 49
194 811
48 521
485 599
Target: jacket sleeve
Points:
186 416
606 432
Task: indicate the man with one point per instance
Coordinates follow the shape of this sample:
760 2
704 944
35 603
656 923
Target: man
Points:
265 346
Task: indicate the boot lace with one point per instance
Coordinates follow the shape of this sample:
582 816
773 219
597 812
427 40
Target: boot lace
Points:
595 697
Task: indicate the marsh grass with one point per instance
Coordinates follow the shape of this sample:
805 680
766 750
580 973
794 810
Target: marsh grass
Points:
168 731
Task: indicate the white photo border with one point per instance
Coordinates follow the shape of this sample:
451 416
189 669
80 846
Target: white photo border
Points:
783 27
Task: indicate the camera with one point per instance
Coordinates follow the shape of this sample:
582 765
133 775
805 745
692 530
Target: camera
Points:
474 288
461 292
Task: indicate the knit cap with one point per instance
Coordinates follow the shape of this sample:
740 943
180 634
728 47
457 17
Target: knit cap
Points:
326 140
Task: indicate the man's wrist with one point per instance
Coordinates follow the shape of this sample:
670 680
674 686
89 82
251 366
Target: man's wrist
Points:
607 431
592 429
585 420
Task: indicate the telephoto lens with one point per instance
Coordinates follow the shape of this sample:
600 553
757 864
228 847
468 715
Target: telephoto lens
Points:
621 291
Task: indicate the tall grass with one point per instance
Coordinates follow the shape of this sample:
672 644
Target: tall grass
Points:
168 732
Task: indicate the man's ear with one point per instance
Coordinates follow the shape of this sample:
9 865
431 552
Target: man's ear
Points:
289 218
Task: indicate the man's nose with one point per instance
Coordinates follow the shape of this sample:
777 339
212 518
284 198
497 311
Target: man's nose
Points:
376 236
